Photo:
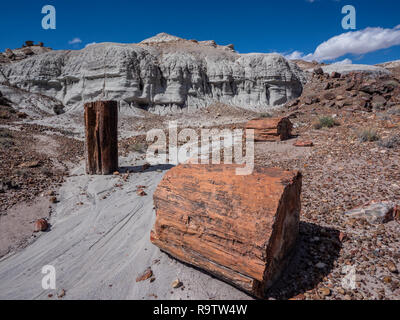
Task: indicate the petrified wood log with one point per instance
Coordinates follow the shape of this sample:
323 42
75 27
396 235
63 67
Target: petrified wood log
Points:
271 129
242 229
101 148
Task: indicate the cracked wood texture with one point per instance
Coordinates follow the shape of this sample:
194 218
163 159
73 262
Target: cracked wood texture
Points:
271 129
101 129
241 229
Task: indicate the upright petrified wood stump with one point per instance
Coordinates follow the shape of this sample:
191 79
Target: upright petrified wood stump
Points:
271 129
101 125
242 229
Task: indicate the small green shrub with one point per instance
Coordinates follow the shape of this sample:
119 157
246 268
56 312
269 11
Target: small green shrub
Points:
368 135
325 122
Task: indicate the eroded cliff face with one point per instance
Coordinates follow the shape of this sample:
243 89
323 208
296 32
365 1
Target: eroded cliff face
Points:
163 74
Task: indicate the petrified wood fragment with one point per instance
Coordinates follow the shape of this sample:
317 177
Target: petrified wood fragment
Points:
242 229
101 149
271 129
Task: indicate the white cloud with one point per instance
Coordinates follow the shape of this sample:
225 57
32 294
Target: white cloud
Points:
75 41
295 55
353 42
345 61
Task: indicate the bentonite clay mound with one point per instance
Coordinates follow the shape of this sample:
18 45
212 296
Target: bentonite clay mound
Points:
207 217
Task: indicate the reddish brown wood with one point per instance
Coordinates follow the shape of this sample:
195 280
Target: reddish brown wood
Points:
270 129
101 127
242 229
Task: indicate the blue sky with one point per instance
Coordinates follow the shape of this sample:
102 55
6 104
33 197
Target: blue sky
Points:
282 26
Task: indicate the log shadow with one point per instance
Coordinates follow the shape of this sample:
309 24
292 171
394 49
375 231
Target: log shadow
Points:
136 169
313 259
315 244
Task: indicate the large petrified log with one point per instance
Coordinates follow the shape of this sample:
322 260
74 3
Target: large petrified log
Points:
271 129
242 229
101 125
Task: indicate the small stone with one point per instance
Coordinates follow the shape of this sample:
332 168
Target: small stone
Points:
329 96
116 173
320 265
22 115
335 75
319 71
392 267
62 293
141 192
148 273
176 284
299 297
303 143
374 212
341 291
40 225
152 279
387 279
53 199
347 297
325 292
342 236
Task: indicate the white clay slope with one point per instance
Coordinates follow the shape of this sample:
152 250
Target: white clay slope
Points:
163 74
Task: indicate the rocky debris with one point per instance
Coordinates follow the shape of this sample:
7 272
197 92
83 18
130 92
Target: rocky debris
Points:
325 292
329 96
27 50
392 267
30 164
141 192
6 185
374 212
338 175
22 115
40 225
53 199
163 75
28 43
335 75
147 274
397 212
271 129
303 143
40 171
318 71
176 284
206 217
351 91
344 69
21 100
62 294
311 100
